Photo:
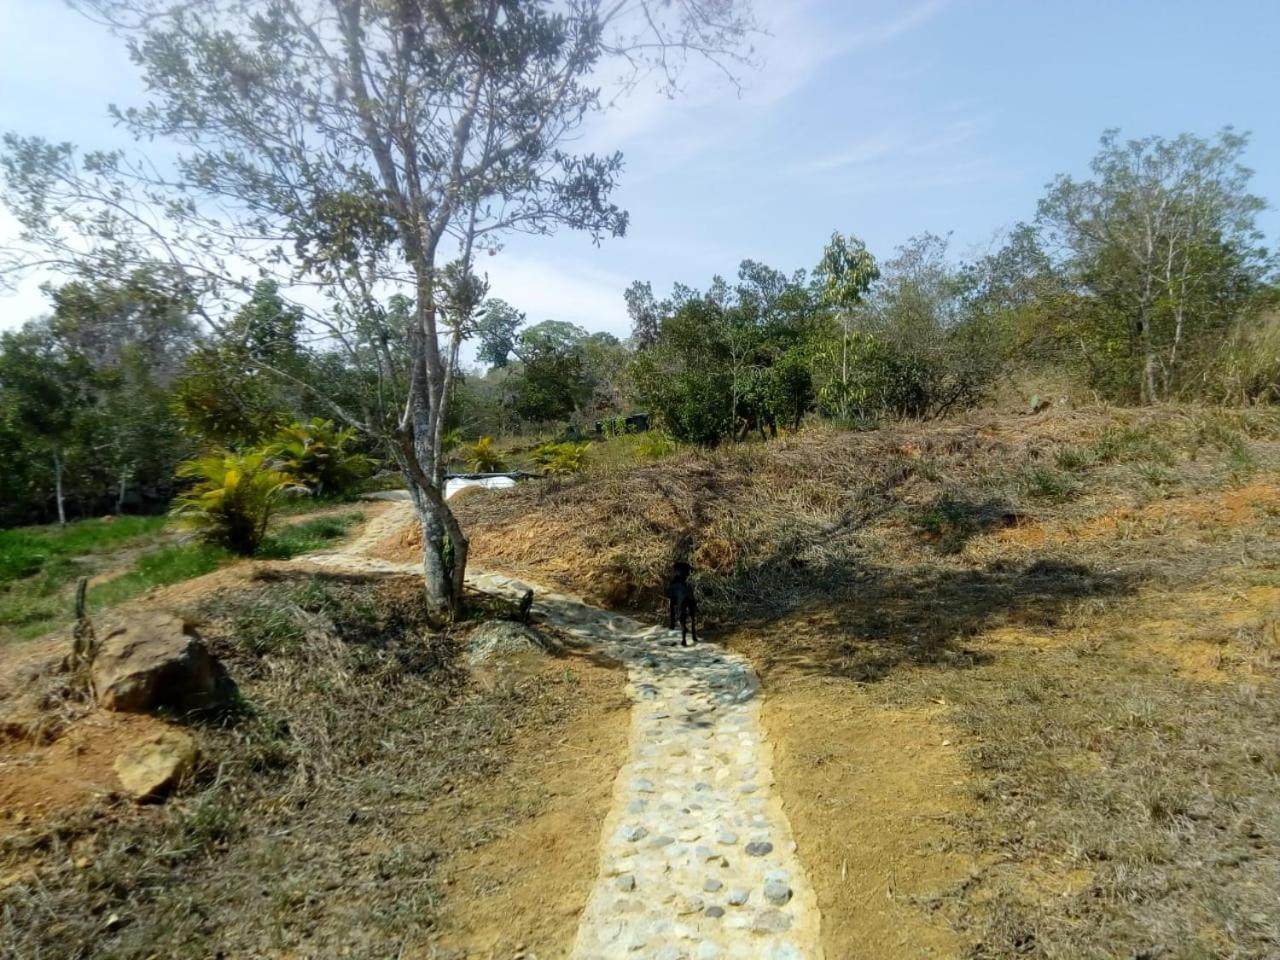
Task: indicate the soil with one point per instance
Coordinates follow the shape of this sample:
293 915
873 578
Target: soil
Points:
75 769
521 894
874 794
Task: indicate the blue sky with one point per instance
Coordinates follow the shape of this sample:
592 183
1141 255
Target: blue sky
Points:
884 119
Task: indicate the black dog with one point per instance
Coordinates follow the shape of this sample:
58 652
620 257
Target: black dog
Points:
684 605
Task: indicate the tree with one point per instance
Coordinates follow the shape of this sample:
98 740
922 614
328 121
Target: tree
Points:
1163 240
845 273
368 143
645 314
553 380
46 397
496 330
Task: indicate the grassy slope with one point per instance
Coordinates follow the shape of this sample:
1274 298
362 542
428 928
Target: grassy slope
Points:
125 556
1079 611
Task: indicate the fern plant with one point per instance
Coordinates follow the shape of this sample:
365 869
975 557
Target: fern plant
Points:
319 456
233 497
482 458
561 458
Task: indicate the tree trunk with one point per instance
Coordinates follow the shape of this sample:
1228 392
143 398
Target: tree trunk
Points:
57 487
122 489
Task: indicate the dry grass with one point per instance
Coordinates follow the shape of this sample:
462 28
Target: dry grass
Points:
1089 600
312 830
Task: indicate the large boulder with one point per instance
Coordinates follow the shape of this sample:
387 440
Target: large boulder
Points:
152 767
502 639
150 660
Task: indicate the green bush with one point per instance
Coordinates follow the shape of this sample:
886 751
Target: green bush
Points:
319 456
233 497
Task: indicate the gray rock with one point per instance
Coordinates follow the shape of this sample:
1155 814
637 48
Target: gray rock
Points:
642 785
711 885
726 837
738 896
626 883
759 848
777 891
662 841
633 832
714 911
499 639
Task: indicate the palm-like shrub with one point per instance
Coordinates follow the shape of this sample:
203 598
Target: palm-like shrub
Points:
233 497
561 458
482 458
319 455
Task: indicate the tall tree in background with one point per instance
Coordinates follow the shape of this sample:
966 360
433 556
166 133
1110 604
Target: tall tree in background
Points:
363 144
845 274
1164 240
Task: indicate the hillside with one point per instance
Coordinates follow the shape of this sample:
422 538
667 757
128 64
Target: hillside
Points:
1020 671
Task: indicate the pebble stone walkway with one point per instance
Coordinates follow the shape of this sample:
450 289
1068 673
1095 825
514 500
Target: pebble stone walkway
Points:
697 860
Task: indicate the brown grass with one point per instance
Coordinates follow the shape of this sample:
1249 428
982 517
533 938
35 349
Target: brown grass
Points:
1081 605
344 811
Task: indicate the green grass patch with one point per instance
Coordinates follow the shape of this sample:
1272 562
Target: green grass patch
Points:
27 551
159 568
307 536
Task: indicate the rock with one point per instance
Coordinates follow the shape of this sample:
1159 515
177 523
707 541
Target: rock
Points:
152 767
711 885
759 848
738 896
642 785
151 660
626 883
726 837
715 912
633 832
777 891
771 921
500 639
686 905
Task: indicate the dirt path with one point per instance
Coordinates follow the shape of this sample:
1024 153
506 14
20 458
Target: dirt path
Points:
697 859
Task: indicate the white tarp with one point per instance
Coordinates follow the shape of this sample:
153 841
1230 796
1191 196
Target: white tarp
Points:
454 484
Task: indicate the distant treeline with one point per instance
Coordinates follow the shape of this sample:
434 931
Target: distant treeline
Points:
1146 282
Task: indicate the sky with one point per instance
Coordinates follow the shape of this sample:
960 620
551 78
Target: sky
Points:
882 119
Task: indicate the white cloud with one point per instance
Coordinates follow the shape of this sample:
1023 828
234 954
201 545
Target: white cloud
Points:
798 43
557 290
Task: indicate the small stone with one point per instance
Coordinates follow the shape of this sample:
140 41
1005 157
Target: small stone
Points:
636 806
738 896
662 841
633 832
711 885
759 848
702 852
715 912
748 788
689 836
777 891
687 905
771 921
627 882
642 785
701 786
726 837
